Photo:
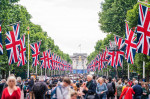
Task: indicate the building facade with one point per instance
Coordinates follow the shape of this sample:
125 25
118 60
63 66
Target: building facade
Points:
79 62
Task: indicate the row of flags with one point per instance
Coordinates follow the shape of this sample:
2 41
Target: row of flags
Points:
127 47
16 51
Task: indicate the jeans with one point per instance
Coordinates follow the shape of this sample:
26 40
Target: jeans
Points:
110 97
137 97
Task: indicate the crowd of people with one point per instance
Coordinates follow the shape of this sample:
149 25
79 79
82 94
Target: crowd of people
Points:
83 87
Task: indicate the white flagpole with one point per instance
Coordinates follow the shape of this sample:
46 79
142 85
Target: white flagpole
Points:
41 71
45 71
128 72
28 53
36 69
143 69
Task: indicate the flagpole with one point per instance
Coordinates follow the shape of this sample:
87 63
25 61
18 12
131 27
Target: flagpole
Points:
128 72
45 71
143 69
41 71
28 53
36 69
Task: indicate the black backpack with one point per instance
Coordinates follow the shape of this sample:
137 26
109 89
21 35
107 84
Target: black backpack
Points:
38 88
110 88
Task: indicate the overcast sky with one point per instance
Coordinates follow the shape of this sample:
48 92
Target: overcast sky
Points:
69 22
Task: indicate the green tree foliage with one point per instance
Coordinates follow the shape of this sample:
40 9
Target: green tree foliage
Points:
112 21
11 12
113 15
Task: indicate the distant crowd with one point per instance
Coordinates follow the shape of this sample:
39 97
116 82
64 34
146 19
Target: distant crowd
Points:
83 87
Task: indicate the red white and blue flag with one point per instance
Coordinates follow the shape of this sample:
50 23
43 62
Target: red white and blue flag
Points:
13 44
44 60
49 59
130 45
35 49
1 45
22 57
111 57
120 53
143 30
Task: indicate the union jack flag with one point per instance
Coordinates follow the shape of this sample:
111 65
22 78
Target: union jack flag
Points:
44 60
49 59
105 56
143 30
35 49
1 45
22 58
111 57
130 45
119 54
13 44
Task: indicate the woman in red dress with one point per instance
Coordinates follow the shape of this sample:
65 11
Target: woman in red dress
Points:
127 92
12 91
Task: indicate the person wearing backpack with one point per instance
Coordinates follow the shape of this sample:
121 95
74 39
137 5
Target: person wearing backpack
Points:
127 92
40 88
62 91
111 89
89 88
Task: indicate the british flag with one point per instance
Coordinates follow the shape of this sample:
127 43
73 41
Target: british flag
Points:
130 45
1 45
35 49
143 30
13 44
111 57
120 53
105 56
43 59
101 61
22 57
49 59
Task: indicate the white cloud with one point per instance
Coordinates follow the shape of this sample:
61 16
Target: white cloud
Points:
68 22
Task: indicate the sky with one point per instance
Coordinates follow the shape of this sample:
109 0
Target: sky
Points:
68 22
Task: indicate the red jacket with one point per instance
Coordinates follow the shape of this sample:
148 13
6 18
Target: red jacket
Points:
127 93
15 95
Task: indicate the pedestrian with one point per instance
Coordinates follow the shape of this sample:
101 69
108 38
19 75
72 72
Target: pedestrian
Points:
125 83
111 89
145 91
138 90
40 88
30 85
127 92
63 91
11 91
19 83
101 89
73 95
119 88
3 81
89 88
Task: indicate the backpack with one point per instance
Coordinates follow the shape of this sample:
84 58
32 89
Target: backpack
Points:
54 92
38 88
110 88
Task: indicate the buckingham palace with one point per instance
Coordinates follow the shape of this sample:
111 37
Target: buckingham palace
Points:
79 62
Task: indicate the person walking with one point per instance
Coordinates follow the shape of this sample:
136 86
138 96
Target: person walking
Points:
101 89
111 89
63 90
145 91
11 91
89 88
138 90
39 89
3 81
127 92
30 85
119 89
